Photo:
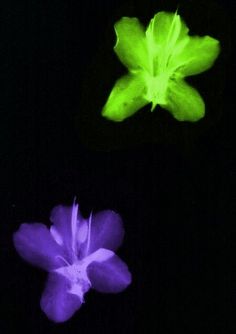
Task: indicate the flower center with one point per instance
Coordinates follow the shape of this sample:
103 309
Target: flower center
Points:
77 275
156 88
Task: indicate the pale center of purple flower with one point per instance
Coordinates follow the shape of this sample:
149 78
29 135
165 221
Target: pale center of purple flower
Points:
76 273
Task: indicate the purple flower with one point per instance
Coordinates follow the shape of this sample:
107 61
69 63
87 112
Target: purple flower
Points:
78 253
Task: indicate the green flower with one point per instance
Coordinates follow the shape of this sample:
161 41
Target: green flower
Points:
158 60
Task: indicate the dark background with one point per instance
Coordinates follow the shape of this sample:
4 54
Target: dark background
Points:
171 182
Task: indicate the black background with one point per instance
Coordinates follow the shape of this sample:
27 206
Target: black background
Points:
170 181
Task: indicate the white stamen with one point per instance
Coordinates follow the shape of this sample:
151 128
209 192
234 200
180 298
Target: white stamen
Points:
64 260
89 233
74 226
56 235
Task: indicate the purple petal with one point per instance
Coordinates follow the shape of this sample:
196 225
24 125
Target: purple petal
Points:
36 245
109 276
56 302
106 231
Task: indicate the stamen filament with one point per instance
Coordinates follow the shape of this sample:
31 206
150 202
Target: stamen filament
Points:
74 227
89 233
62 258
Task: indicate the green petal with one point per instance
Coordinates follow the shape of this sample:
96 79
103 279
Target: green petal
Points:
198 55
165 33
127 97
131 43
184 101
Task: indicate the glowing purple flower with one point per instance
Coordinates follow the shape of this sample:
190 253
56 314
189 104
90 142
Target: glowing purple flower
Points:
78 253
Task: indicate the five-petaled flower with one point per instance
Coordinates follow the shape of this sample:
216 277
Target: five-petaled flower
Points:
158 60
78 253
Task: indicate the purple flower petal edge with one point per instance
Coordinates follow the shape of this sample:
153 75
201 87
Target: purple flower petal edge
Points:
110 276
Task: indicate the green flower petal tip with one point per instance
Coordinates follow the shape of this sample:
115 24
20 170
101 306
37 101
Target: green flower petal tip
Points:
158 59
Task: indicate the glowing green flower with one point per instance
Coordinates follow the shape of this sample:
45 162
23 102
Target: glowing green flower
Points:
158 60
